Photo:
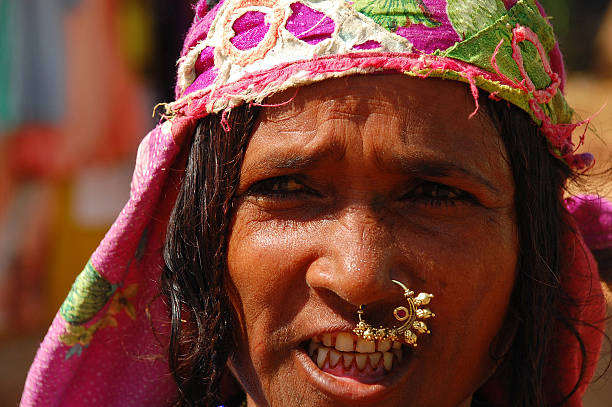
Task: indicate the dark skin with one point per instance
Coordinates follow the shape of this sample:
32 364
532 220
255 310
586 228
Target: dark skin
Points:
356 182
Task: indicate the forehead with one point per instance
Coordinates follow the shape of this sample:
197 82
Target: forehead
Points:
393 116
358 94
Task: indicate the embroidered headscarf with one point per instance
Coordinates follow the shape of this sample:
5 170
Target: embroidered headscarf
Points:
106 343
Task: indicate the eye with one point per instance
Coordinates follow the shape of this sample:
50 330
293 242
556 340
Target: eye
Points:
436 194
281 187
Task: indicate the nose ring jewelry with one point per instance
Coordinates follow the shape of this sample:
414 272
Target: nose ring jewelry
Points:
410 316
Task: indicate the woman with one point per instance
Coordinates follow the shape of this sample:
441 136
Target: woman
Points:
317 179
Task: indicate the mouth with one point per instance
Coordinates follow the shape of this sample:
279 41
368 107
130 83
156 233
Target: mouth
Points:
349 369
345 355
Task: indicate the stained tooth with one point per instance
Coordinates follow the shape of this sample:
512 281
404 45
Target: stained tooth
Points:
348 359
322 356
397 345
334 358
383 346
312 347
344 342
316 339
397 353
374 359
364 346
361 360
327 340
388 360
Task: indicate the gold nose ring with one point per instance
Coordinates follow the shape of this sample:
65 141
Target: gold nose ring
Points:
411 316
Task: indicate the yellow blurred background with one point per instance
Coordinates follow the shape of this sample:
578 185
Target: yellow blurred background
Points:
79 79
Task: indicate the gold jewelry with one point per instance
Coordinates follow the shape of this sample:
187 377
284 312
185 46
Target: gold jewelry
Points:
409 315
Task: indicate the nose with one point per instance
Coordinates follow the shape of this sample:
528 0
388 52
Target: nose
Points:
358 258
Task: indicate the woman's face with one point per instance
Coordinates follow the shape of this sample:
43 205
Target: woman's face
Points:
355 182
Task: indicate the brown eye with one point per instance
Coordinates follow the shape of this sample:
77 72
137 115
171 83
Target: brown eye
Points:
281 187
435 194
286 185
437 191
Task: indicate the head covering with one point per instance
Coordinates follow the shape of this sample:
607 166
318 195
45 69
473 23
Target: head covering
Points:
594 215
243 51
106 345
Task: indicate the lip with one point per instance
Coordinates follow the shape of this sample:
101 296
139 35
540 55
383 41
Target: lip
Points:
345 389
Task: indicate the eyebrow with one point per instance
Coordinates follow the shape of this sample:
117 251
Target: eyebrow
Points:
295 161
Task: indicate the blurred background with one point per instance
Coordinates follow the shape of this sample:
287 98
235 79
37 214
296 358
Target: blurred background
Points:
78 82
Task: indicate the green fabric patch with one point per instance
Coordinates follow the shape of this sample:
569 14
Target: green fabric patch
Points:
392 14
559 110
479 49
469 17
88 295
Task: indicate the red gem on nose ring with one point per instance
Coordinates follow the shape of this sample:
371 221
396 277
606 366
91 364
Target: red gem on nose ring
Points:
411 316
401 313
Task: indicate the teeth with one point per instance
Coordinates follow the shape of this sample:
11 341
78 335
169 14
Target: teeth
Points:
321 356
344 342
327 340
334 358
387 360
348 349
361 361
374 359
348 359
398 354
312 347
364 346
383 346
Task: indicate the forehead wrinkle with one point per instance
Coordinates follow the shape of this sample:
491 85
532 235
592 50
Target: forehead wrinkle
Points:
408 132
360 108
329 108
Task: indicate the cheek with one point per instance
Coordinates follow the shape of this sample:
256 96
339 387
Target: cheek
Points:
479 265
472 272
264 265
264 262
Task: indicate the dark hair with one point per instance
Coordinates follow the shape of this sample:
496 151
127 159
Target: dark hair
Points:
194 279
540 180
